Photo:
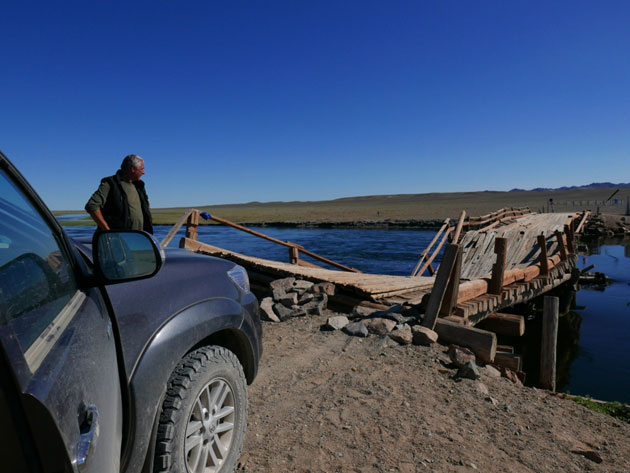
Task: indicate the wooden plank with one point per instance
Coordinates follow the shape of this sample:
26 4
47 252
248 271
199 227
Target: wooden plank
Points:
424 254
508 360
439 288
458 230
174 229
504 324
481 342
452 289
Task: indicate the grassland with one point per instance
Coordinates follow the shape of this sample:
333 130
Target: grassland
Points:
400 207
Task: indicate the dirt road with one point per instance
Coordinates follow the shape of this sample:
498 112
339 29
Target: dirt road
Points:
326 402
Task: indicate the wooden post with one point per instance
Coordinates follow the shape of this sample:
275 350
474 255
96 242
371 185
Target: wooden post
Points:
460 224
167 239
496 283
570 243
191 225
561 247
294 255
439 288
549 342
544 262
452 290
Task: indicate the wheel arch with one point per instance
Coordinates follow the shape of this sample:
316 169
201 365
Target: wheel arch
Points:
183 333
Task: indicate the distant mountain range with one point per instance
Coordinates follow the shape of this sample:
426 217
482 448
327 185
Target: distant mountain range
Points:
594 185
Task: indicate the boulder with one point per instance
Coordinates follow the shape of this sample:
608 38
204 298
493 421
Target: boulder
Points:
336 322
460 355
317 306
278 294
306 297
492 371
356 329
282 311
327 288
402 335
363 311
423 335
469 371
300 286
379 326
285 284
289 299
266 310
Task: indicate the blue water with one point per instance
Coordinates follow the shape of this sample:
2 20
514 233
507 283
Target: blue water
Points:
601 337
601 368
371 251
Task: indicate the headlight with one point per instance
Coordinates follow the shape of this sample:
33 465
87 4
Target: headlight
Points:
239 276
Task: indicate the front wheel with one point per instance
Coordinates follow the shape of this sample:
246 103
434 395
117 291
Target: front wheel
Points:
204 414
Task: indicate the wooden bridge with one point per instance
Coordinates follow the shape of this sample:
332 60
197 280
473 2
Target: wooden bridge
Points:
489 263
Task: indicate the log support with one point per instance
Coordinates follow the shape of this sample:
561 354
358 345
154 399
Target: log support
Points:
549 343
481 342
504 324
498 269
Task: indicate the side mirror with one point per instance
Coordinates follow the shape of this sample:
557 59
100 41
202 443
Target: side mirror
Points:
121 256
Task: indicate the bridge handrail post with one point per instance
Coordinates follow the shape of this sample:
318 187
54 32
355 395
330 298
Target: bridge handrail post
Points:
498 269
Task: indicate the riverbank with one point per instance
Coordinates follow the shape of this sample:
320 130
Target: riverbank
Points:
399 209
327 402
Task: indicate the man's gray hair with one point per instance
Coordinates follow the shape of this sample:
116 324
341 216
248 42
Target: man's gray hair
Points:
131 160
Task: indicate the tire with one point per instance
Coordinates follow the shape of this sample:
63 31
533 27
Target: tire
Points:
204 414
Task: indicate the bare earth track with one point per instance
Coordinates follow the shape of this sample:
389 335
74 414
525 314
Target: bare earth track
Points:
326 402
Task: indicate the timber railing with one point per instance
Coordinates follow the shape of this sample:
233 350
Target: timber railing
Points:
448 291
191 218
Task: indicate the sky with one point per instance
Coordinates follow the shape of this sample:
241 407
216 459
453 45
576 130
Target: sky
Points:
239 101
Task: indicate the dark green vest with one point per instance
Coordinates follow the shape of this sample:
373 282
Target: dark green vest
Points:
116 208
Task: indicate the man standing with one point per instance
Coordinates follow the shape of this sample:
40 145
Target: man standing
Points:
121 202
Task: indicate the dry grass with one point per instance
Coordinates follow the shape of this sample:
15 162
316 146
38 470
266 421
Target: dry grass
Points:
400 207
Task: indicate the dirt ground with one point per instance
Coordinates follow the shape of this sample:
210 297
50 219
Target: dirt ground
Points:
327 402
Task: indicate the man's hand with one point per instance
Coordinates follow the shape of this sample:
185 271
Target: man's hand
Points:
97 216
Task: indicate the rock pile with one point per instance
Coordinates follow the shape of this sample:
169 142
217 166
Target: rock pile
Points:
295 298
607 225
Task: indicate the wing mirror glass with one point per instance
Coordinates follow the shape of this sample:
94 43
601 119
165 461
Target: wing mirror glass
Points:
121 256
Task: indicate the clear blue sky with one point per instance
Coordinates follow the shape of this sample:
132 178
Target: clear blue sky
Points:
234 101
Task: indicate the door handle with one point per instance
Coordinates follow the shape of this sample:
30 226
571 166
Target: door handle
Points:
88 437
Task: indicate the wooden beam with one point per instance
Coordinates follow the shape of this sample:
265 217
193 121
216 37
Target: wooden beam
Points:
570 240
294 255
498 269
458 230
508 360
544 262
174 229
481 342
439 288
425 253
561 247
452 290
504 324
549 342
435 253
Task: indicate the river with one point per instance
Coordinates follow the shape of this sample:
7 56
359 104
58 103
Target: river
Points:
593 338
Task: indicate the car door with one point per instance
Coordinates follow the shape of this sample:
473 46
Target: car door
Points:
56 336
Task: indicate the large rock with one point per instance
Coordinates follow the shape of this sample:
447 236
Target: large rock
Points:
285 284
278 294
317 306
327 288
356 329
379 326
469 371
266 310
300 286
402 335
460 355
336 322
282 311
289 299
423 335
363 311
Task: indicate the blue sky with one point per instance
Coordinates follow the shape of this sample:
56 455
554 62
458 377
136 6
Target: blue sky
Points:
233 101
